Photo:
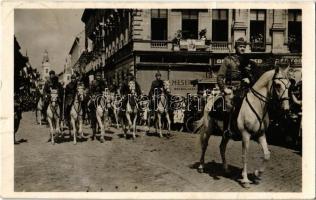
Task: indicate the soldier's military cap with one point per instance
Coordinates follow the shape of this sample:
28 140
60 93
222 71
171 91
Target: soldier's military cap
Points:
240 41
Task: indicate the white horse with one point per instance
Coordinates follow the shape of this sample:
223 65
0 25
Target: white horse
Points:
131 111
53 115
115 105
162 108
76 113
102 112
252 120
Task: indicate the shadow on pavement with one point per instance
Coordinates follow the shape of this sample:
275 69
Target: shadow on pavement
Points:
216 171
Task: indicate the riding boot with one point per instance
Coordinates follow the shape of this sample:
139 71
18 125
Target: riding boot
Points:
226 125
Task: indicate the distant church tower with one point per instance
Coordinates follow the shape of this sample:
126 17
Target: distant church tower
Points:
46 67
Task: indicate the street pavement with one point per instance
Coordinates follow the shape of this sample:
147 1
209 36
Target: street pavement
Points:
146 164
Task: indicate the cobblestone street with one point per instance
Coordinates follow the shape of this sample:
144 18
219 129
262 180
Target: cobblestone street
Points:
149 163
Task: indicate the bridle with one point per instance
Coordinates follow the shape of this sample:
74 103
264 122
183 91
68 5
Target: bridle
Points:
54 109
269 98
77 108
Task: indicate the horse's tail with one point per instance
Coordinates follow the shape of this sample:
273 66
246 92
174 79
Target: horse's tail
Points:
202 126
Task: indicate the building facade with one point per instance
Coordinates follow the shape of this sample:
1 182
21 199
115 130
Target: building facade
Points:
46 66
186 44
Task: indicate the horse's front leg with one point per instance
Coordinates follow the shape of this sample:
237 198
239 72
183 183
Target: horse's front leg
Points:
204 138
80 131
169 122
100 123
130 124
159 124
266 155
245 147
51 128
74 129
148 116
134 125
222 147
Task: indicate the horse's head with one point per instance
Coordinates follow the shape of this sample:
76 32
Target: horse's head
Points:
281 85
132 86
166 86
80 92
53 96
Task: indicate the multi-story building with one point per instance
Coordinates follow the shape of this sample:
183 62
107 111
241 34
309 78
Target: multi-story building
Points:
186 44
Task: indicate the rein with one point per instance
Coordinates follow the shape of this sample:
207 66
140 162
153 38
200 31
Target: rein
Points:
54 110
265 100
78 107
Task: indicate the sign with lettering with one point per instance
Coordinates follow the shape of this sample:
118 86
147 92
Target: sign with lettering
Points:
294 60
180 81
192 44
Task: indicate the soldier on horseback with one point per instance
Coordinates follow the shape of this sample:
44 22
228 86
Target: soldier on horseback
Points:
236 75
124 90
70 93
52 83
155 90
96 89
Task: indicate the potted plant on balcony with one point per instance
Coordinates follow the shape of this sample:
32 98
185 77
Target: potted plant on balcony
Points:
176 40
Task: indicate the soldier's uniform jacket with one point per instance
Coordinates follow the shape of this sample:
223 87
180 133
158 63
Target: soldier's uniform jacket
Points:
155 84
233 70
53 85
70 90
124 90
97 87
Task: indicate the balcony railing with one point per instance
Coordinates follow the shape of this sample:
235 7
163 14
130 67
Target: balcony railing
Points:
159 44
219 46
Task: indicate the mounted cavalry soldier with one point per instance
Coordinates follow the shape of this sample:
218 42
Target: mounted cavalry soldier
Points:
52 83
97 87
235 76
155 90
70 93
124 90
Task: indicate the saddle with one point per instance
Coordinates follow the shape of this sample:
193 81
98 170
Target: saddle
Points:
220 110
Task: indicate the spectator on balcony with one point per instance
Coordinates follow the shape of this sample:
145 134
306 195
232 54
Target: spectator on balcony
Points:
237 73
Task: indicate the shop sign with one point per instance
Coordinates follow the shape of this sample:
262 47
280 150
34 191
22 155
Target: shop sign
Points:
192 44
182 86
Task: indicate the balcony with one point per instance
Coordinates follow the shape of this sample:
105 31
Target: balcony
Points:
159 44
219 46
193 45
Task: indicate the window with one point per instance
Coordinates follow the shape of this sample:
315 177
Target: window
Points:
190 24
220 25
295 30
159 24
257 29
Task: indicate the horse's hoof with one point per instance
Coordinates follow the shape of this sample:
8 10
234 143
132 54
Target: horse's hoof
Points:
102 140
245 185
258 174
200 169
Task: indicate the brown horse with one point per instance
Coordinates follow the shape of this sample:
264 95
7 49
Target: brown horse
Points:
252 120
